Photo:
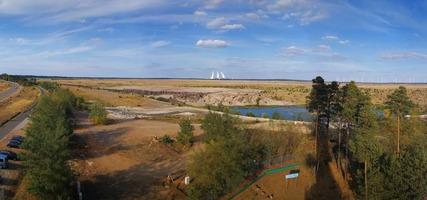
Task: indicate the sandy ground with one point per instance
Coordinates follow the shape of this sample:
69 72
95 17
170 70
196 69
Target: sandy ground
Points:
122 161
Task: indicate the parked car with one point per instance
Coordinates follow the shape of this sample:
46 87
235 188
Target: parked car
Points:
13 144
10 154
18 138
3 161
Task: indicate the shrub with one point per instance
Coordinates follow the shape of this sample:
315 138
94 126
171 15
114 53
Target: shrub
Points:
167 139
185 136
265 115
97 113
250 114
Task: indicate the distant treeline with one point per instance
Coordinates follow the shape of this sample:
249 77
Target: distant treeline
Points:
23 80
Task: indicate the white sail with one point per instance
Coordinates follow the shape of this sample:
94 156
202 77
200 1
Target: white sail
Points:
217 75
212 76
223 76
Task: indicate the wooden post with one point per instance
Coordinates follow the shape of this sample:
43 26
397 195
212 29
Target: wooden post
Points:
287 183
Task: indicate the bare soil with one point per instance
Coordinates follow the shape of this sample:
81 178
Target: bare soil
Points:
123 161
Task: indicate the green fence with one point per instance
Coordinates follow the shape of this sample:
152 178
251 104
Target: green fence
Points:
266 173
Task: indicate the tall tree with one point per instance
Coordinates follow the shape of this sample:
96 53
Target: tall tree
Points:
333 103
364 146
399 104
317 102
47 146
355 101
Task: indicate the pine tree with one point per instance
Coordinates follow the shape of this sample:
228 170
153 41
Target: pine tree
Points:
317 102
185 136
399 104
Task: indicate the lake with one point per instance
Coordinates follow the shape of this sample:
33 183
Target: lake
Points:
287 112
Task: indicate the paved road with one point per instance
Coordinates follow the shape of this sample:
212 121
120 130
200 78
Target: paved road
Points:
17 121
14 88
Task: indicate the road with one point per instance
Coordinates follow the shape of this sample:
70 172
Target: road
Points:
17 122
12 90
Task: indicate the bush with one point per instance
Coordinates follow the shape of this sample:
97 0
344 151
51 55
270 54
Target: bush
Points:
265 115
97 113
185 136
250 114
167 139
276 115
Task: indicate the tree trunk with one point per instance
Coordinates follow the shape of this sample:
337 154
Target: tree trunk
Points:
346 148
317 133
366 179
398 132
339 142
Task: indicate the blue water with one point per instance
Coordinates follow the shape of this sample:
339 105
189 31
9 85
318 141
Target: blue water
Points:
287 113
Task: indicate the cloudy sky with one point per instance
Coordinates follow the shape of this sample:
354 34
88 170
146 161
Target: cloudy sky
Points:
265 39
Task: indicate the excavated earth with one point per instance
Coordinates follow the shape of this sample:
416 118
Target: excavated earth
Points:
197 96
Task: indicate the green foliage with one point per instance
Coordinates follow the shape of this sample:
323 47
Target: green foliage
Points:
167 139
224 164
185 136
250 114
398 102
162 99
97 113
399 177
258 99
221 108
277 116
49 86
24 80
265 115
47 147
317 99
216 126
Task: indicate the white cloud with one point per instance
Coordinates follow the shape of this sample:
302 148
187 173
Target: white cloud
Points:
304 12
160 43
232 26
252 16
404 55
212 4
75 10
217 23
336 38
293 51
322 47
309 17
330 37
200 13
257 15
212 43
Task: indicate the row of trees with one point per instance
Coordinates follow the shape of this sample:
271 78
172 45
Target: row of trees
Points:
23 80
357 117
47 146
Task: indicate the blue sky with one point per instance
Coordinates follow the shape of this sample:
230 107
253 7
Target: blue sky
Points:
245 39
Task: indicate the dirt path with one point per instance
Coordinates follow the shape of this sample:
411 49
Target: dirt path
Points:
121 161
